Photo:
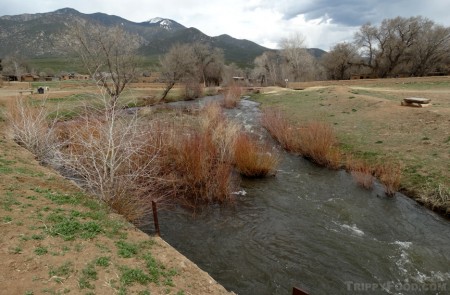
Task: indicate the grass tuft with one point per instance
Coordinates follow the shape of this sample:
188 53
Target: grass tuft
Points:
253 159
232 96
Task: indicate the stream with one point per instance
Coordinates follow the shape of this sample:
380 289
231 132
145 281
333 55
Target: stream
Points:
315 229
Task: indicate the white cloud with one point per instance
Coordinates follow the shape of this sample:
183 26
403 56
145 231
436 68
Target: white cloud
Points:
323 22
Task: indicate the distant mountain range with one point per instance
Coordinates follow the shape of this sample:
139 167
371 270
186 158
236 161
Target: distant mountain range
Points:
41 35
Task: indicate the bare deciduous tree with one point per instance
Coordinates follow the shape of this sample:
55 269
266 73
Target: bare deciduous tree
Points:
298 63
209 61
16 65
413 46
176 65
108 54
268 68
338 62
431 51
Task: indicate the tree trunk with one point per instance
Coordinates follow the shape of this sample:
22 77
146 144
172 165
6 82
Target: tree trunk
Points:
166 91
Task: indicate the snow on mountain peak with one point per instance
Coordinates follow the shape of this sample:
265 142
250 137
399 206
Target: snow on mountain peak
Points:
163 22
155 20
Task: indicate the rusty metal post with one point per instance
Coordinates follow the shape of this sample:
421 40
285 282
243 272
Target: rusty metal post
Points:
155 218
297 291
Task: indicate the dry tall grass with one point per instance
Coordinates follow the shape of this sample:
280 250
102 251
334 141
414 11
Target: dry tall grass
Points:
361 171
315 140
318 142
436 196
201 178
30 127
232 96
389 173
224 132
253 159
281 129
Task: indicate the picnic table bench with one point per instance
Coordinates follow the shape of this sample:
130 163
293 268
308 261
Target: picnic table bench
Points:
416 102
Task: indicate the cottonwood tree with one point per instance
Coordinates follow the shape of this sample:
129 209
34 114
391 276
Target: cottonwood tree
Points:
298 63
16 65
177 65
432 50
338 62
268 68
192 64
108 54
412 46
209 61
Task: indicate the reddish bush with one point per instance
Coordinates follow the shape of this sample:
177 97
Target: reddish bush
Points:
253 159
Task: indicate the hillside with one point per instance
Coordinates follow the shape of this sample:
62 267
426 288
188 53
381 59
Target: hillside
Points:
41 35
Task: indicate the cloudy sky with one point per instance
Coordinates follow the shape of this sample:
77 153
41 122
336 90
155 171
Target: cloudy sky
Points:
322 22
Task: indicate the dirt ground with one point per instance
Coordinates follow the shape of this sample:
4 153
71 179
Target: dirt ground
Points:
55 240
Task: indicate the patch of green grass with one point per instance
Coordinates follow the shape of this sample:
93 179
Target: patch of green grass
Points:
90 230
59 198
103 261
8 201
103 248
16 250
157 271
133 275
7 219
88 274
63 270
126 250
113 229
40 250
69 227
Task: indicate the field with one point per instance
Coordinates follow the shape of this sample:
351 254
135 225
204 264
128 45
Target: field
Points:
47 222
371 124
47 225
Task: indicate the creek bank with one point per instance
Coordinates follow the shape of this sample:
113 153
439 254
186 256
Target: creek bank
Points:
308 224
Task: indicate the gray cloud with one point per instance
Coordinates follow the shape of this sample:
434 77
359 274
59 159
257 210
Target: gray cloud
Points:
323 22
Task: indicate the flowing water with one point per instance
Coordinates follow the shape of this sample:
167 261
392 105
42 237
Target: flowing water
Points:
315 229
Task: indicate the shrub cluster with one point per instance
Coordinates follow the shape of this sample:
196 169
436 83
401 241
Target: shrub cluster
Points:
128 163
317 142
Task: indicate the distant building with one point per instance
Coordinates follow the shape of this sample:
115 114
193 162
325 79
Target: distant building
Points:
363 76
29 78
73 76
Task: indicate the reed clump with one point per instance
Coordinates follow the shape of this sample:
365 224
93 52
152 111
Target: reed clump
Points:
314 140
232 96
274 120
361 171
318 143
389 173
253 159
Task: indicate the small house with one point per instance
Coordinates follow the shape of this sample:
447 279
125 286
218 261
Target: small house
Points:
29 78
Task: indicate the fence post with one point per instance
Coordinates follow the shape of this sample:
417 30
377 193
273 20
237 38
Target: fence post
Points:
155 218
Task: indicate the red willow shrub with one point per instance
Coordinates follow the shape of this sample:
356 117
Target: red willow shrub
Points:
232 96
315 140
253 159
